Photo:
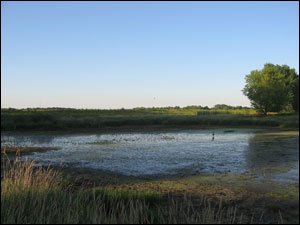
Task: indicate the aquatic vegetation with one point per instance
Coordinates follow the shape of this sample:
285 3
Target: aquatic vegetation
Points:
107 143
228 131
11 149
281 133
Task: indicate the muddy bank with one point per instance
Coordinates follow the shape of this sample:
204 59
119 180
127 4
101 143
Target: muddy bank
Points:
262 197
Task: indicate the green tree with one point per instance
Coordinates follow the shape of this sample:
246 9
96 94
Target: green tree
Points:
296 95
272 89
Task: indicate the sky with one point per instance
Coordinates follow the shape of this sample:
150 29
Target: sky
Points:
140 54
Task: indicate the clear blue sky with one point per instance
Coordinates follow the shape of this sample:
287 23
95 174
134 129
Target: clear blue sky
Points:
131 54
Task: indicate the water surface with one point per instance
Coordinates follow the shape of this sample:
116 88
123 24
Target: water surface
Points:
238 151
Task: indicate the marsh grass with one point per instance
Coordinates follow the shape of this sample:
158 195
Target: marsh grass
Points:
39 195
68 119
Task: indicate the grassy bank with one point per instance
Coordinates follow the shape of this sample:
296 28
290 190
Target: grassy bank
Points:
72 119
40 195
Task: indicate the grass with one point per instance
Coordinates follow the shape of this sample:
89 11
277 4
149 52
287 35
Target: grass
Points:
39 195
70 119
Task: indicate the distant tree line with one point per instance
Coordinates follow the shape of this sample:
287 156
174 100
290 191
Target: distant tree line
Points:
216 107
227 107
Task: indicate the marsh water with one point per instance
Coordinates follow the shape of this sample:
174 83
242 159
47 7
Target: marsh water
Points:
181 152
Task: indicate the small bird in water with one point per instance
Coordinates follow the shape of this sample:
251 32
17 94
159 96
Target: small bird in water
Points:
213 136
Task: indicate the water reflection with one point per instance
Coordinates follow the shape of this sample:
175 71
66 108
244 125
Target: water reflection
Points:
272 155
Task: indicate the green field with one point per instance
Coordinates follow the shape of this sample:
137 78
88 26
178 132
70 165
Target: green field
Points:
74 119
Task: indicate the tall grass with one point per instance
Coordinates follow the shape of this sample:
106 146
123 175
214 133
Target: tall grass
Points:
38 195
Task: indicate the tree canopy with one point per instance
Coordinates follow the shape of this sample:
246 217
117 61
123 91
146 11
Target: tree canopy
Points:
272 89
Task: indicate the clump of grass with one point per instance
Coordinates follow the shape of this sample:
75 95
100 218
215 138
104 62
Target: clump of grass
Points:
39 195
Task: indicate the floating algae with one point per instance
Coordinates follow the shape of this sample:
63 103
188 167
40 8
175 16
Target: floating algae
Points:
107 143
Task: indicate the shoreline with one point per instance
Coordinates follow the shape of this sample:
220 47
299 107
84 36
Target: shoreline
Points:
147 129
241 191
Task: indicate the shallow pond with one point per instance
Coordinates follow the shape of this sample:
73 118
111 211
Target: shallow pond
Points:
183 152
